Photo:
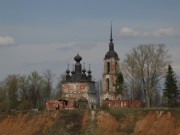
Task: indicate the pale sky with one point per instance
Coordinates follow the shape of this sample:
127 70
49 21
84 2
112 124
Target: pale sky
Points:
40 35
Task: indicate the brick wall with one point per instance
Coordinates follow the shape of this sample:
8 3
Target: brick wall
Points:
122 103
59 104
52 105
65 104
75 90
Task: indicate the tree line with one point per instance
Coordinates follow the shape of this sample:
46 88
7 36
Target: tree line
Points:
22 92
146 75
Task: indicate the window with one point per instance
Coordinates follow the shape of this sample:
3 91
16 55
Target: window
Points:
108 67
107 84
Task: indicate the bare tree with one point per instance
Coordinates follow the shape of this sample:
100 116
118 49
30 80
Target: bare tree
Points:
48 77
58 91
36 85
3 98
11 84
143 68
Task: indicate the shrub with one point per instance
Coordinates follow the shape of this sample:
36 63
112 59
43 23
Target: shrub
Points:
25 105
104 107
3 106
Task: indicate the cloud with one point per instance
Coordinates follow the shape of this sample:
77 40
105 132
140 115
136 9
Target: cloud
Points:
82 46
128 32
164 32
174 52
6 40
161 32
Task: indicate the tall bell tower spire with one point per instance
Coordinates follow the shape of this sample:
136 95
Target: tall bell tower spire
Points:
111 53
111 44
111 39
111 68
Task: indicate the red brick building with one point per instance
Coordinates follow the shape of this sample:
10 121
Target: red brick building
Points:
79 86
78 90
111 68
109 95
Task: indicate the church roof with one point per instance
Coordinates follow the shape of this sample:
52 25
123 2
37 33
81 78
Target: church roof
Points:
78 74
111 53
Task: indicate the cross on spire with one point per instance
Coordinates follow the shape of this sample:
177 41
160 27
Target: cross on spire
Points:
111 39
68 66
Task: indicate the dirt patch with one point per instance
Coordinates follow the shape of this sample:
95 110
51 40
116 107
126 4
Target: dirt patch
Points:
106 123
156 123
25 124
85 121
80 122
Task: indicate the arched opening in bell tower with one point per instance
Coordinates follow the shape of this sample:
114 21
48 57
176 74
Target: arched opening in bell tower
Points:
108 67
107 84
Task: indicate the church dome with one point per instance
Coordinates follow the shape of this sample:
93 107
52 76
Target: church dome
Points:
77 58
67 71
111 54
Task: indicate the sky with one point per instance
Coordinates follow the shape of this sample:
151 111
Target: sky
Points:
41 35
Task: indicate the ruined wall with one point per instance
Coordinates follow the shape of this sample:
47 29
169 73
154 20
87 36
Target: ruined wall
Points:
122 103
53 105
111 96
80 90
60 104
75 90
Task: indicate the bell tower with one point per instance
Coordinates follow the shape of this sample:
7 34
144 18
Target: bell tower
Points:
111 68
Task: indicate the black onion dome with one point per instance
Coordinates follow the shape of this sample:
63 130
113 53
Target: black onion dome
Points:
73 72
111 54
67 71
83 70
77 58
89 71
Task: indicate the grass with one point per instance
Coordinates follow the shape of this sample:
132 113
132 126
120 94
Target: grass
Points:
68 122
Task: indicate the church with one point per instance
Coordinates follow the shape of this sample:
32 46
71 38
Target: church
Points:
111 68
109 96
79 91
79 87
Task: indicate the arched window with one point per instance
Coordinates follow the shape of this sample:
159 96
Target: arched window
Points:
107 84
108 67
